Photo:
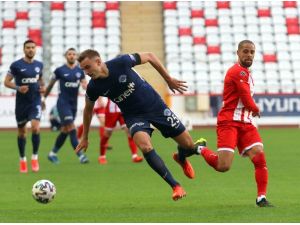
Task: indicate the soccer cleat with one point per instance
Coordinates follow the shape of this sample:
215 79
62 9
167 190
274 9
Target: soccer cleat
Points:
83 159
201 142
186 166
23 166
35 167
102 160
53 159
178 192
263 203
137 159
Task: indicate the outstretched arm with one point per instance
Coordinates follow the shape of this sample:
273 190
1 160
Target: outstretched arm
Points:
174 84
87 118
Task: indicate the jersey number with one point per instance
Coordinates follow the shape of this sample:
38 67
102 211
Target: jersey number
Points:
173 120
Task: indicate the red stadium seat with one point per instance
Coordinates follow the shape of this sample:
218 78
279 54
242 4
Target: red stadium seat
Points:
34 33
38 40
8 24
223 5
112 5
185 31
292 21
199 40
22 15
213 49
263 13
211 22
197 13
57 6
98 14
169 5
269 58
293 29
99 22
290 4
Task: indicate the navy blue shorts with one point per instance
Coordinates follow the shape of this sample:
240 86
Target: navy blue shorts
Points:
25 113
66 112
164 120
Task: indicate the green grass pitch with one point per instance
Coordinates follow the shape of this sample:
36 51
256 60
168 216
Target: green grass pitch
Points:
122 191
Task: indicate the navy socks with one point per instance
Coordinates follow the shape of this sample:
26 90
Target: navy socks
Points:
21 146
158 165
60 140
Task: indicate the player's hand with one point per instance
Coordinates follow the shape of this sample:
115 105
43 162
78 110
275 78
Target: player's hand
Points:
83 145
177 85
256 114
42 89
23 89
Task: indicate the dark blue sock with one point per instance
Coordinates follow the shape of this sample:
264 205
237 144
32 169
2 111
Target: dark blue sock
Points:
158 165
21 145
74 140
60 140
35 139
184 153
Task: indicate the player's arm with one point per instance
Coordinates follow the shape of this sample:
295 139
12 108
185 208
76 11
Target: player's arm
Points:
47 92
87 118
149 57
83 84
42 85
8 82
246 98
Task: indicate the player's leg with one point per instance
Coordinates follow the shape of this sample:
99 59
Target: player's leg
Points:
250 145
100 112
21 147
133 148
35 138
221 160
103 145
60 140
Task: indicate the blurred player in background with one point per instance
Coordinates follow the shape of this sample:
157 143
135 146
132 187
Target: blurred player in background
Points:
112 116
99 111
141 106
28 82
54 119
70 77
235 123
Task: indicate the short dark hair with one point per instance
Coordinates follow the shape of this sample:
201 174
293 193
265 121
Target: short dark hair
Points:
245 42
28 41
70 49
89 53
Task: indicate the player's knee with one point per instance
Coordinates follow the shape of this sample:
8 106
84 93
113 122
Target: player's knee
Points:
145 147
259 160
223 168
35 130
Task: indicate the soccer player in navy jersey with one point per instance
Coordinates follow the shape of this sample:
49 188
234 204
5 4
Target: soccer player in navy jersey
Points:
70 76
141 106
27 75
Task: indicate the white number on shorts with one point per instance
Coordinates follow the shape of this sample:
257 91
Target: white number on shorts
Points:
173 120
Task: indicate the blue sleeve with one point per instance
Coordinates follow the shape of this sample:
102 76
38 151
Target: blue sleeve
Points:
131 60
56 74
12 70
82 77
91 93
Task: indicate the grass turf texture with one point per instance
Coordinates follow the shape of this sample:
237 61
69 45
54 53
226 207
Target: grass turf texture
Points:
122 191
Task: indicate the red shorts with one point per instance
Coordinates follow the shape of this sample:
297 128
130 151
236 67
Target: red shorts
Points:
99 111
111 120
235 134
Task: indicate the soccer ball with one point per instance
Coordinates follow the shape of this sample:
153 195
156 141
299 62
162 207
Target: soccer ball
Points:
43 191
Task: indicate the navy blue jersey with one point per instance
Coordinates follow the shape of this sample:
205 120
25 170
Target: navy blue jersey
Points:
126 88
25 73
69 82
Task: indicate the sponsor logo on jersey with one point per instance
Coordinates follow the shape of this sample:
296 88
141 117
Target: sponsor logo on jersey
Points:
105 93
66 74
30 80
72 84
126 93
22 70
37 69
123 78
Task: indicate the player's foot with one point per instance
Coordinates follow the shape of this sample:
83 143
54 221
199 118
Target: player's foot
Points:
263 203
186 166
201 142
53 159
137 159
102 160
178 192
83 159
23 166
35 167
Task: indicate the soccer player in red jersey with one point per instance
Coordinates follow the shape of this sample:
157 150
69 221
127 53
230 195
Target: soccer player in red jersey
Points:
112 116
235 123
